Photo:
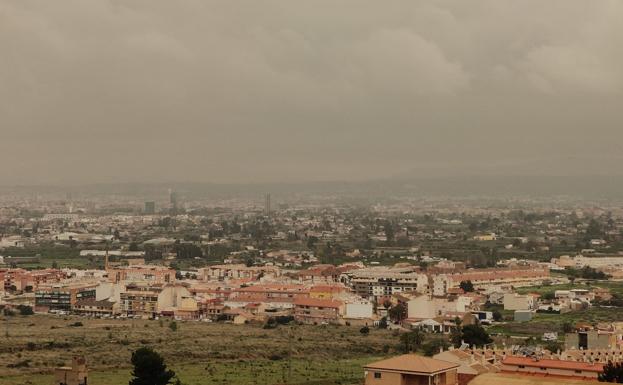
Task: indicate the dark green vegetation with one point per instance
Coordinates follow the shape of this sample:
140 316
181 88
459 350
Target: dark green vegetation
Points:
149 368
613 372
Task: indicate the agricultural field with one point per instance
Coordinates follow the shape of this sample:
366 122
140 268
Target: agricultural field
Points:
616 287
543 322
201 353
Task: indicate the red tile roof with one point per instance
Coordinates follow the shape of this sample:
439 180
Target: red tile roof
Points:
554 364
314 302
412 363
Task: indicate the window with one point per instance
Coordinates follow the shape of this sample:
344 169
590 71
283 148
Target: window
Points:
578 371
542 368
522 366
377 374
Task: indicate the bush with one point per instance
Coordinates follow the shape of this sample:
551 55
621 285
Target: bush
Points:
173 326
25 310
364 330
76 324
433 347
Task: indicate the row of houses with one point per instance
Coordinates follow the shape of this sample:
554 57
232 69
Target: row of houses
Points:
484 367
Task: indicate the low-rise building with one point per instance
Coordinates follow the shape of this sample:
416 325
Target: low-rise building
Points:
312 310
147 273
514 301
550 367
62 296
93 307
411 369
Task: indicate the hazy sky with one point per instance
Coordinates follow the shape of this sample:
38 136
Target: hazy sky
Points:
246 91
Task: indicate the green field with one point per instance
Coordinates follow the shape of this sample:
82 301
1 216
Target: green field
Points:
616 287
542 323
201 353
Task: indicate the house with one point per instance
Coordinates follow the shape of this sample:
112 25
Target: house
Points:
411 369
522 315
486 237
96 308
514 379
149 273
328 291
62 296
312 310
514 301
323 274
358 309
590 339
472 363
551 367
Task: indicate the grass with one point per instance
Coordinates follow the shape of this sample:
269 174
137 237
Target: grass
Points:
542 323
201 353
64 256
616 287
258 372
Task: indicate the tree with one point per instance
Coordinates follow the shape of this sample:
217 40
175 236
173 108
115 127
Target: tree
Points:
173 326
567 327
311 242
434 346
412 340
398 313
613 372
548 296
467 286
389 231
149 368
497 316
475 335
383 323
25 310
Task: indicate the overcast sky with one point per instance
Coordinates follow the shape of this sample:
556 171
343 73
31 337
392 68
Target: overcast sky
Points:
253 91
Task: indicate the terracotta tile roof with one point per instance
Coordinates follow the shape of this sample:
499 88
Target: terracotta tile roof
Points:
412 363
513 379
479 368
554 364
327 288
315 302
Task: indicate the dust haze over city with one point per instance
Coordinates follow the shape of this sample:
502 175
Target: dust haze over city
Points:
311 192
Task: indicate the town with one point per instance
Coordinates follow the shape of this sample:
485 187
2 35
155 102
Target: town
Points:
483 291
353 192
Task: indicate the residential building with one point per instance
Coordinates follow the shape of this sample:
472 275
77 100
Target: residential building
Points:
379 282
514 301
312 310
515 379
591 339
93 307
411 369
62 296
148 273
551 367
237 271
